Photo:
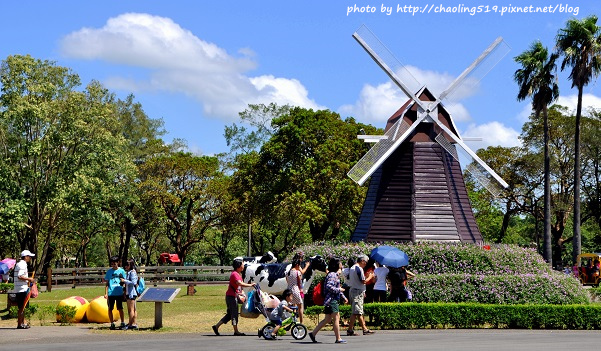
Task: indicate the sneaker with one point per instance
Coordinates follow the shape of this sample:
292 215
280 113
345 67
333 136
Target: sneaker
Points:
340 341
368 332
351 333
273 337
133 327
215 330
23 326
312 337
113 326
122 326
125 327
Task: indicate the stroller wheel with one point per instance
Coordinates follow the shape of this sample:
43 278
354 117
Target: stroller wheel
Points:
267 330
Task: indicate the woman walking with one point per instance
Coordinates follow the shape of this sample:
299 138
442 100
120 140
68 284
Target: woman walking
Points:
234 288
333 295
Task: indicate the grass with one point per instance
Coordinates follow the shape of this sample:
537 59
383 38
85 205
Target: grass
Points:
186 314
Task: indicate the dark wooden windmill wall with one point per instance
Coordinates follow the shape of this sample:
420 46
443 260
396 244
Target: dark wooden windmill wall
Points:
417 194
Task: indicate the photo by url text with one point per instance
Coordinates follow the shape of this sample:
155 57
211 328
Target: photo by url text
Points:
463 9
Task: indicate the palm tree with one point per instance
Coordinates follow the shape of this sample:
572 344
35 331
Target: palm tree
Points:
580 44
537 79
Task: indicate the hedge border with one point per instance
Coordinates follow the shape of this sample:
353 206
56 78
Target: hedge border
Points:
473 315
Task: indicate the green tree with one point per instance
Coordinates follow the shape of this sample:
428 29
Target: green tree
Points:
54 138
561 148
536 79
580 44
299 178
185 187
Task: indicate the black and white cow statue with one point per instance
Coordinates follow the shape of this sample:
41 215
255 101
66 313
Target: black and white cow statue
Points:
269 257
272 277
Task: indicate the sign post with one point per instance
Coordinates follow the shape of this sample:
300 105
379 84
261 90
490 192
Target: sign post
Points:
158 296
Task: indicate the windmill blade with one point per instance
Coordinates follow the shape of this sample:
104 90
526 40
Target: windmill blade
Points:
399 74
378 153
473 155
481 175
472 75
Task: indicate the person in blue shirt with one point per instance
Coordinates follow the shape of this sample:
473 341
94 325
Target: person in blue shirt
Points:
113 290
131 281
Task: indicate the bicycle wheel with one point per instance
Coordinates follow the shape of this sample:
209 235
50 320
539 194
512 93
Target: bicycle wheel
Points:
298 331
267 330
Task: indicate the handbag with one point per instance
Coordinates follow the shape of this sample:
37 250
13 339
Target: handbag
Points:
241 297
34 290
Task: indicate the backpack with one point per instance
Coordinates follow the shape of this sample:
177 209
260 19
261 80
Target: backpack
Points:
319 295
140 286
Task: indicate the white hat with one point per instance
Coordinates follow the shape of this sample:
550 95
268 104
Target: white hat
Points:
26 253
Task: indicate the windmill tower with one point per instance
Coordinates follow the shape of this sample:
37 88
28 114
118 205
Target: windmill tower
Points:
417 191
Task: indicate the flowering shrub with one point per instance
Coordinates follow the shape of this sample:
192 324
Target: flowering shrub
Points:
461 272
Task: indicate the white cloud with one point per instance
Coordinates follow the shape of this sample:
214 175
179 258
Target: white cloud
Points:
588 101
378 103
569 101
492 134
181 62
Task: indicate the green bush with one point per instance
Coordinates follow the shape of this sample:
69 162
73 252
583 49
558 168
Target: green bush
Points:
29 311
5 287
65 314
475 315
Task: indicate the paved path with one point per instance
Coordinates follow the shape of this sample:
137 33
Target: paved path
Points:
75 338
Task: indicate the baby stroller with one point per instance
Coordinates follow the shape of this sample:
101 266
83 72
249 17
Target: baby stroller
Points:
265 303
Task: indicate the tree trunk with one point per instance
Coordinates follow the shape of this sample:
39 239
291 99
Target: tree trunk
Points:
576 241
547 249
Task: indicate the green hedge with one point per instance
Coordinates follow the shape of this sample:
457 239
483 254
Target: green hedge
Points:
474 315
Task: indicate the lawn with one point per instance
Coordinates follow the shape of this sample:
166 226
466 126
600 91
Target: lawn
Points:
186 314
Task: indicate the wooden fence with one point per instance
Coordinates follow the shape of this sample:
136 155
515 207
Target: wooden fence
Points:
151 274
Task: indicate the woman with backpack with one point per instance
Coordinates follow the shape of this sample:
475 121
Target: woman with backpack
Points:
131 281
333 295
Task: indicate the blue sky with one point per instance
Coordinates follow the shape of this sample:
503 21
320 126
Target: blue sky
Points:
196 64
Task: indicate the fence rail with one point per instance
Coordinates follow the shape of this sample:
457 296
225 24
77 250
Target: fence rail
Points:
151 274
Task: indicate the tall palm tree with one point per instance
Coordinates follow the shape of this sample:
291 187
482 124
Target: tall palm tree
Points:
537 79
580 44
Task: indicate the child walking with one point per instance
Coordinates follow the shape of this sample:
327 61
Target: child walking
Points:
131 281
278 313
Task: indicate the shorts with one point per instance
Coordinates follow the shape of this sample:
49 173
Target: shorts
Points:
118 299
20 298
276 321
357 297
334 307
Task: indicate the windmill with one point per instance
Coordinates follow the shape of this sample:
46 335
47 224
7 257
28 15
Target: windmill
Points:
417 191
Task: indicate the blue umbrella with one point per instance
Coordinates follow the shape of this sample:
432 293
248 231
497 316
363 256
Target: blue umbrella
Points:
390 256
4 268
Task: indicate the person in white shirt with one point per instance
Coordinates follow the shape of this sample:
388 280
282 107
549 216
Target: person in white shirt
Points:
22 281
357 280
381 286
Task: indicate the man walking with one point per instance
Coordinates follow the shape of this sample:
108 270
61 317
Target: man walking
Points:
357 280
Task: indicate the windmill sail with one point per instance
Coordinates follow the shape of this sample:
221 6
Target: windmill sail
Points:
479 173
371 160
